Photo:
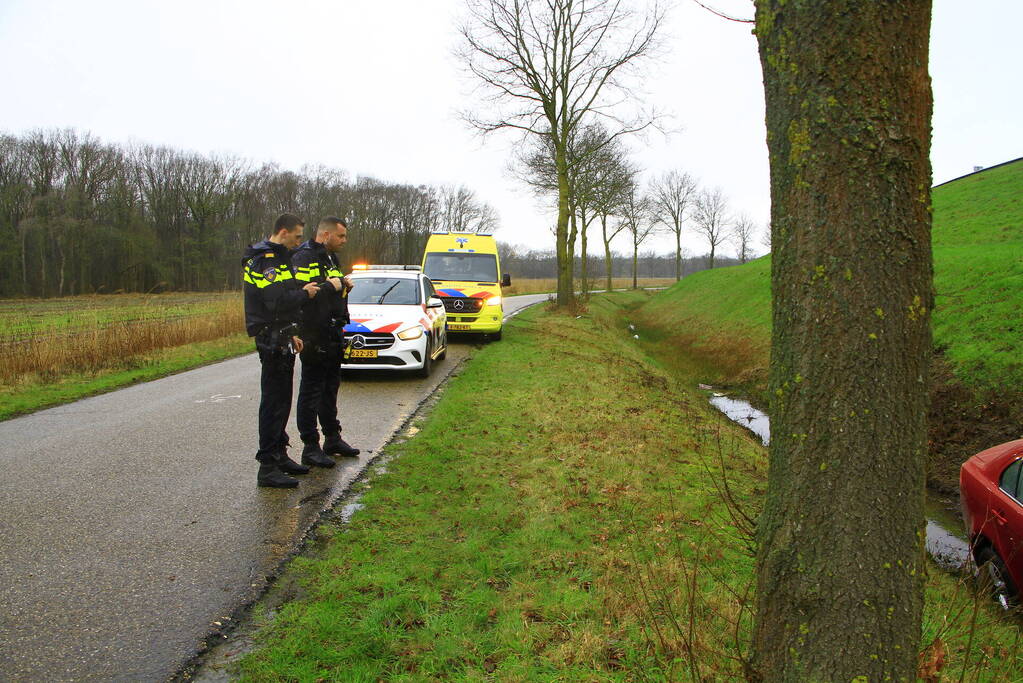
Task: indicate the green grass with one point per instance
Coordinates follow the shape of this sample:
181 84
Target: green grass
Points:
33 393
978 264
559 516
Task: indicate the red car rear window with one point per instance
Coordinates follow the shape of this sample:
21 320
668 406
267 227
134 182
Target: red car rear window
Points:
1009 481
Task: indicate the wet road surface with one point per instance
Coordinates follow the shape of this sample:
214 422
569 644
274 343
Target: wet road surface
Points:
131 522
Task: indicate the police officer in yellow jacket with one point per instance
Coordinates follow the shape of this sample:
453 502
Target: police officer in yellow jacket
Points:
273 301
323 319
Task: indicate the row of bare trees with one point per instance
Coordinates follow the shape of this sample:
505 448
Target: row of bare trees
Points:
78 215
558 73
525 262
605 187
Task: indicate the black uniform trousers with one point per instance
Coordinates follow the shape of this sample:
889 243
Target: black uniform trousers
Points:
275 382
317 392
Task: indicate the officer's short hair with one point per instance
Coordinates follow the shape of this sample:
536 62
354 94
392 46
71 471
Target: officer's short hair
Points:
328 222
288 221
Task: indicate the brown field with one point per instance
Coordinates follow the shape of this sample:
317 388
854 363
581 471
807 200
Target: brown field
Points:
48 338
542 285
43 339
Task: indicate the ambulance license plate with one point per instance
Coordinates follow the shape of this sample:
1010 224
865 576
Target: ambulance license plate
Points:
459 328
363 353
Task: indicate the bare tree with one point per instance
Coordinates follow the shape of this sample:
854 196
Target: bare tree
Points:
710 216
416 214
615 181
546 68
672 196
462 211
765 238
592 158
742 235
638 219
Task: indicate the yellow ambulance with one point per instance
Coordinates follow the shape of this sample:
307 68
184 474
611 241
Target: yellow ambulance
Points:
466 274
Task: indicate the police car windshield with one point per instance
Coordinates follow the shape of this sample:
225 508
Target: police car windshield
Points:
461 267
384 290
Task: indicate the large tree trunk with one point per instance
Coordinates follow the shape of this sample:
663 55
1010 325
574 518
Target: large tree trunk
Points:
607 251
635 266
583 274
678 253
840 563
565 293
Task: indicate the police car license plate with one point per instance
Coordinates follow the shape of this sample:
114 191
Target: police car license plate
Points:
459 328
363 353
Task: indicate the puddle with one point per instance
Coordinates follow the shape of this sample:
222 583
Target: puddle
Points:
745 414
949 550
348 510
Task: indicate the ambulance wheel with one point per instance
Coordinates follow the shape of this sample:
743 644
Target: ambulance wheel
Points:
495 336
444 354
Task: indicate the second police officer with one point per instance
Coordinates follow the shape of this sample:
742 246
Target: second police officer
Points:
323 319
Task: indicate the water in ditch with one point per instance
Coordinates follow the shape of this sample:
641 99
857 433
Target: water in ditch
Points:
945 542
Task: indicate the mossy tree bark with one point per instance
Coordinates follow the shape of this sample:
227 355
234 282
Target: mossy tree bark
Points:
566 293
840 561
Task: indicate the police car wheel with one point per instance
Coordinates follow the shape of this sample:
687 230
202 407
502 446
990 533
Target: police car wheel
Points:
427 361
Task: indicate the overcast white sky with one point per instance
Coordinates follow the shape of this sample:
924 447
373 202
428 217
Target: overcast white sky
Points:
371 87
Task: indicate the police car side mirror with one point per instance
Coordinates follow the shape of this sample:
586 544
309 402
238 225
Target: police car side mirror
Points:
434 302
506 280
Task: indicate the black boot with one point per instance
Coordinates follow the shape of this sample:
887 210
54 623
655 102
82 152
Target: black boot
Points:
312 455
270 475
288 465
335 445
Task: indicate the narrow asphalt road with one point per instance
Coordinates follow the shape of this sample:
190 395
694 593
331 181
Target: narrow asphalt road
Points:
131 521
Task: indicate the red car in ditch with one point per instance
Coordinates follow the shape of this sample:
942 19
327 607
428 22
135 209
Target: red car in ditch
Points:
991 494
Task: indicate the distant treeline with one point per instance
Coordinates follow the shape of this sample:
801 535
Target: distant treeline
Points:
528 263
80 216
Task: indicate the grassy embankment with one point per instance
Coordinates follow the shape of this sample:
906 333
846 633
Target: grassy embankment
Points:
583 535
58 350
722 320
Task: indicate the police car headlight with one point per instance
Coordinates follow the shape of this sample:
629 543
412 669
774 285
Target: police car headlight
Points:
411 333
494 301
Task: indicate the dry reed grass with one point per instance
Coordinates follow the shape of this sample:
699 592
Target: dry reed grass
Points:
72 348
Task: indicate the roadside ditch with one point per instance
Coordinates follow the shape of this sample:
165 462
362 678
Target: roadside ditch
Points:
946 541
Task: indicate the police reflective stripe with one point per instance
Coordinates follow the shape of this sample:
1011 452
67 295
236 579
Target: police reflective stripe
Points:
307 273
257 278
314 270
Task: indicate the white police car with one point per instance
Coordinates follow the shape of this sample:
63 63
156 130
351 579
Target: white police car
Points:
397 321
